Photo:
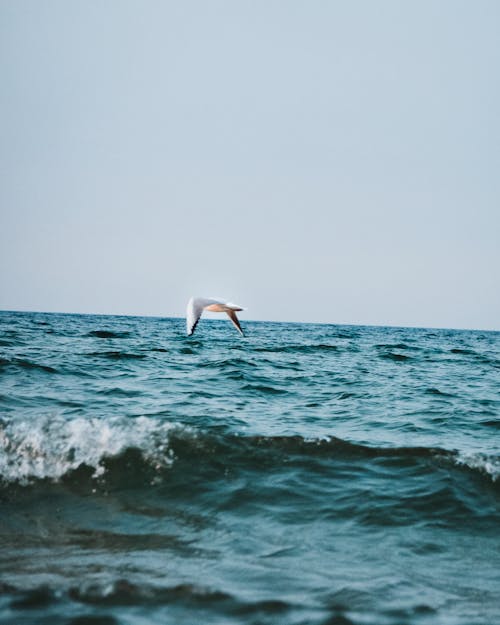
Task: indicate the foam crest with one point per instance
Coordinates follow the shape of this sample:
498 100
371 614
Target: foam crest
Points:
487 464
53 446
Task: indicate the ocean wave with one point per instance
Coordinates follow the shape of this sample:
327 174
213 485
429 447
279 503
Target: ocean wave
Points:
108 334
122 592
436 391
395 357
51 447
264 389
116 355
301 348
391 346
22 363
478 357
491 423
54 448
485 464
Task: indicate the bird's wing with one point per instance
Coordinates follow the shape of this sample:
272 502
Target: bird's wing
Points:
235 320
194 309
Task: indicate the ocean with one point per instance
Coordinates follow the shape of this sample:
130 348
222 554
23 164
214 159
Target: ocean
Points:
302 474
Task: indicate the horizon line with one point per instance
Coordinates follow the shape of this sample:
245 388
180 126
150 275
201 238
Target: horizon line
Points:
326 323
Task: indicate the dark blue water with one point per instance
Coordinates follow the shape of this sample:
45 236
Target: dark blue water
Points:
304 474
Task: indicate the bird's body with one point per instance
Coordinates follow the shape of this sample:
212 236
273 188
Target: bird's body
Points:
197 305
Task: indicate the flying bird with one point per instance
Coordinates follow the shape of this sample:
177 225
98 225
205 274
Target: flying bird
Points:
197 305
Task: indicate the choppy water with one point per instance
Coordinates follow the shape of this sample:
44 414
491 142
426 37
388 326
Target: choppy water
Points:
304 474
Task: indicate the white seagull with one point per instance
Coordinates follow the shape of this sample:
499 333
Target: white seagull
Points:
197 305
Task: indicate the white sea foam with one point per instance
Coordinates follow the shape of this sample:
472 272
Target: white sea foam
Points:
51 446
484 463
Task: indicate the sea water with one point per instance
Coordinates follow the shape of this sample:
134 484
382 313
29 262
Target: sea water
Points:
302 474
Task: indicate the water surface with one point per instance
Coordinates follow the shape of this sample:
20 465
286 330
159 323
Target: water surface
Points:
304 474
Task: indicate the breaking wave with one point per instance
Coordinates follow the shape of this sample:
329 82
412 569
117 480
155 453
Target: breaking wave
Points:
54 447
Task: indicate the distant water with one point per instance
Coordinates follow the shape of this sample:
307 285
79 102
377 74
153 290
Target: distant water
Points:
304 474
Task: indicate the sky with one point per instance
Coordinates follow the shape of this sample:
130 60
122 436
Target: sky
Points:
317 161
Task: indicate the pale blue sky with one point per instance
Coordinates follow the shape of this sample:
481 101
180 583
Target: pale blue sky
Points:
313 161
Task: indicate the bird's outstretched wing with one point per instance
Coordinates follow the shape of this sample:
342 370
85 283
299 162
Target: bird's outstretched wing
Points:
235 320
194 309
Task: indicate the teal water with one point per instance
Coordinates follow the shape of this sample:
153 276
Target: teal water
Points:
304 474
